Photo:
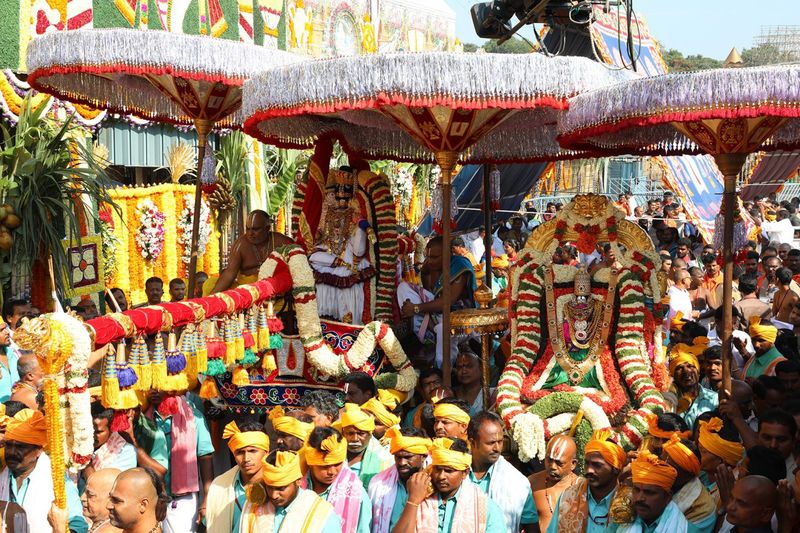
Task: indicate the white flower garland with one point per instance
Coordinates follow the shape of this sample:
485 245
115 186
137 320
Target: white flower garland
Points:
150 236
528 432
185 222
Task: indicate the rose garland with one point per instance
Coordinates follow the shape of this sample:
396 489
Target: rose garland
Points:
150 236
317 350
185 222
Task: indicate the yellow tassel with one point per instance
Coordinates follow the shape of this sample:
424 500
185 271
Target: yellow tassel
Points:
208 390
263 339
201 360
240 377
127 400
110 392
268 361
230 352
176 383
158 378
239 347
145 378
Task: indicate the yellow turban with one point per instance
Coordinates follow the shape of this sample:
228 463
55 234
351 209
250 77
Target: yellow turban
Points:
381 408
655 431
729 451
442 455
450 412
647 469
500 261
766 332
27 426
289 424
399 442
681 455
334 451
677 322
354 416
612 452
238 439
285 471
681 354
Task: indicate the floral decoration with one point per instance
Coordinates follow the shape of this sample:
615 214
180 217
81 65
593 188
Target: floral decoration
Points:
185 222
150 236
110 243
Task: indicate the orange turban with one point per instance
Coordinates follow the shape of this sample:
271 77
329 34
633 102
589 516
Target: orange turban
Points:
450 411
238 439
27 426
647 469
681 455
500 261
442 455
334 452
354 416
399 442
766 331
285 471
677 322
655 431
381 408
612 452
729 451
289 424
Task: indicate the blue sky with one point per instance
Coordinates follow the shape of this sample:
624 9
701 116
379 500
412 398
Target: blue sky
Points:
707 27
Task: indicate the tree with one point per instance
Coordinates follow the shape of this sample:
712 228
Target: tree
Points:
766 54
470 47
676 61
511 46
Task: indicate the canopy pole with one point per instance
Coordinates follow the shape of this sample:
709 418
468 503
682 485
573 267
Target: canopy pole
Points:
446 160
203 128
487 224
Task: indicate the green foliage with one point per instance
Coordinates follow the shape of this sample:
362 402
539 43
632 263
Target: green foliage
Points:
37 178
470 47
766 54
281 166
232 162
511 46
676 61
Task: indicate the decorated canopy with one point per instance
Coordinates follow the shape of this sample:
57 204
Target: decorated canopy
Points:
406 107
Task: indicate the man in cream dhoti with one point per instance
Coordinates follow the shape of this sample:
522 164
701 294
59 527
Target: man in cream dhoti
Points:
26 480
285 506
456 505
227 495
330 477
365 455
585 506
689 494
387 490
652 499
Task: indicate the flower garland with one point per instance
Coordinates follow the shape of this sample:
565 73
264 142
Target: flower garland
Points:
110 243
319 353
150 236
185 222
78 416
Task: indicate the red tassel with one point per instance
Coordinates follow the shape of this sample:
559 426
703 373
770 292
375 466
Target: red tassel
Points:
216 348
248 338
168 406
120 422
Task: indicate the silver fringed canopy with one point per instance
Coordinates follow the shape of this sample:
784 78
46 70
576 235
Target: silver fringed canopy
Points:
649 116
152 74
404 106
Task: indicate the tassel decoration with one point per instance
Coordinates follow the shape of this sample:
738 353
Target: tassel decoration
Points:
229 334
110 383
215 367
240 377
200 350
262 336
209 390
268 361
189 349
158 365
275 342
120 422
145 368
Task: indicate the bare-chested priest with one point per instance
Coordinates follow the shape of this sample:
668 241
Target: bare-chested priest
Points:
250 251
547 485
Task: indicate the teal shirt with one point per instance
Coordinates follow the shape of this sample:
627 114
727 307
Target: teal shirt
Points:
400 500
707 400
76 521
612 528
529 513
332 525
706 525
757 366
8 374
597 520
495 521
364 509
163 442
241 499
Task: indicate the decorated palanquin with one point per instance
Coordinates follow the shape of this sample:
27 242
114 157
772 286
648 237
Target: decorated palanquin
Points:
586 347
345 220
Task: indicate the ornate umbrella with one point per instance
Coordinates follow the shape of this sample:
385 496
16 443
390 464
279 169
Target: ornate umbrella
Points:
183 79
422 107
726 113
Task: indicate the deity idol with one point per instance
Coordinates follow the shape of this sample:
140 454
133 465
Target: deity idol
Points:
585 346
341 254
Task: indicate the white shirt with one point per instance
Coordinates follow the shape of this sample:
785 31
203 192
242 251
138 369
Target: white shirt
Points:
679 301
477 248
714 340
781 231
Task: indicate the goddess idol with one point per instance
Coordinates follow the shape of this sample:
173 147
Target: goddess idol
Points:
586 347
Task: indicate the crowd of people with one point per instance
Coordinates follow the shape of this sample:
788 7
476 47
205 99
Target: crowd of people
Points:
440 459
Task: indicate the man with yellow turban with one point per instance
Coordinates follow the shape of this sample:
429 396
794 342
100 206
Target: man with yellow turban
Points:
26 479
585 506
365 455
227 495
331 478
291 430
684 367
652 498
455 505
689 494
381 407
387 490
280 504
715 450
451 418
767 356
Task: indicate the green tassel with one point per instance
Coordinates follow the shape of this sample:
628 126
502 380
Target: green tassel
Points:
249 357
275 342
215 367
